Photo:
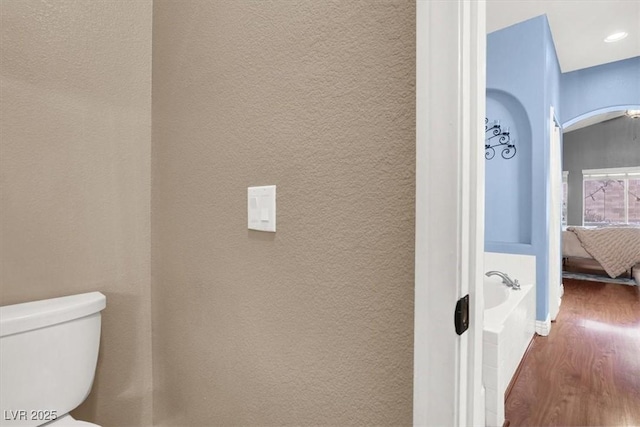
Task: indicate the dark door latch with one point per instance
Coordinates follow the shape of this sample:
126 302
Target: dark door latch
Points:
461 317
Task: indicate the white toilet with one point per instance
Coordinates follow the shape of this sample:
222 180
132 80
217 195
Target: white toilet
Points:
48 355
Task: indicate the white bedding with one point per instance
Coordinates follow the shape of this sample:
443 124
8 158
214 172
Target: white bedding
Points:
571 246
617 249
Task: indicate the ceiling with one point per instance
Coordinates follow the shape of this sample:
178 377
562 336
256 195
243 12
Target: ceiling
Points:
578 27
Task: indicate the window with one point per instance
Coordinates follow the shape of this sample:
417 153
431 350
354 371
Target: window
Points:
565 195
611 196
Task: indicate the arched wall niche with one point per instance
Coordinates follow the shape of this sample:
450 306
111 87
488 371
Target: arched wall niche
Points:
508 202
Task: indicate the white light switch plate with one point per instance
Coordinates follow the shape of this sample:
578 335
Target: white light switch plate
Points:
261 208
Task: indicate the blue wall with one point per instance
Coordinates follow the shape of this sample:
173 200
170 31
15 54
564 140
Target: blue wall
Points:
522 66
514 79
609 87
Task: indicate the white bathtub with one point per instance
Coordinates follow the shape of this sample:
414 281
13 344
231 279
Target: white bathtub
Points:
509 325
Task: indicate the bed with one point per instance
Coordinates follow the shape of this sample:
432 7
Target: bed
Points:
615 248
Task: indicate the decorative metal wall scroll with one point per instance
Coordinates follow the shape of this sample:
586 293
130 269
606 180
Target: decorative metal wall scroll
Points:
494 137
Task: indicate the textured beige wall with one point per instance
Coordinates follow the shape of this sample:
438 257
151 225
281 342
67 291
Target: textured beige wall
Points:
75 128
313 324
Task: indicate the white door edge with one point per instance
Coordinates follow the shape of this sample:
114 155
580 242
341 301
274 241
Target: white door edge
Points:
450 105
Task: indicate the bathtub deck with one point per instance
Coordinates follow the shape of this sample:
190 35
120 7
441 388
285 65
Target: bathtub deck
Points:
587 371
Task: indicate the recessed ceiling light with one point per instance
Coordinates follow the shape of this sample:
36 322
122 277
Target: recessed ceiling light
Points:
616 37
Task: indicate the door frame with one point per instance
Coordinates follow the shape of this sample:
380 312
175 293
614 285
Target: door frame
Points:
555 240
449 233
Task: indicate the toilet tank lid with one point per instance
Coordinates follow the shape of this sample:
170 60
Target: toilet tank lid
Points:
32 315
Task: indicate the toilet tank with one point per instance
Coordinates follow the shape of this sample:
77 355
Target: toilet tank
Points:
48 355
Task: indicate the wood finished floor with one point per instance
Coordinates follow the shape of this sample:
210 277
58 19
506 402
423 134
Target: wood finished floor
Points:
587 371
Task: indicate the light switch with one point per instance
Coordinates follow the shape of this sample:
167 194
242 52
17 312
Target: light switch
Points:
261 208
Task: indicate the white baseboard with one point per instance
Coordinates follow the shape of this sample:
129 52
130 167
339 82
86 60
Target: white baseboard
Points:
543 327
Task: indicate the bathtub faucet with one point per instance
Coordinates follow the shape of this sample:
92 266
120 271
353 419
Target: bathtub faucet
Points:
513 284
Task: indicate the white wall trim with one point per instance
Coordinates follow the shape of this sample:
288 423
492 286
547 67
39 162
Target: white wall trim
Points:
543 327
610 172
